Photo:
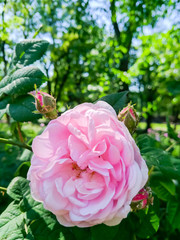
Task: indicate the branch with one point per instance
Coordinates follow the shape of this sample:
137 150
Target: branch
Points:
16 143
170 147
3 42
56 92
114 20
20 133
64 79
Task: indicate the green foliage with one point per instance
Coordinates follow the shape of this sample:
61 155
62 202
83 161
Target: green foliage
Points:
116 100
164 181
8 164
23 105
24 217
27 52
171 133
157 72
21 82
103 232
173 213
87 61
23 168
21 79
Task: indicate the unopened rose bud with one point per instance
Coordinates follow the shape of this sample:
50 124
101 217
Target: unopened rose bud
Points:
45 104
142 199
129 117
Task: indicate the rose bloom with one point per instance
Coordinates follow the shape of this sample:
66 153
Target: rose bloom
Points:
86 167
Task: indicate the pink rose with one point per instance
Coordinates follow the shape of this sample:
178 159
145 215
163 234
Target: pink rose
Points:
86 167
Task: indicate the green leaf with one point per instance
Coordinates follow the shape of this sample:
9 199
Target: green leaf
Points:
22 108
3 82
157 157
125 230
22 81
4 102
23 169
25 217
165 187
173 213
169 186
18 188
2 112
116 100
174 87
148 223
11 221
144 142
163 161
103 232
81 233
48 228
29 51
171 133
26 154
8 164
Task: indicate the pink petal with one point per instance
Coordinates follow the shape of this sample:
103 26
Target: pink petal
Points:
53 200
135 180
77 202
99 163
106 106
127 152
91 131
100 148
78 134
113 154
63 221
77 218
76 147
69 188
100 203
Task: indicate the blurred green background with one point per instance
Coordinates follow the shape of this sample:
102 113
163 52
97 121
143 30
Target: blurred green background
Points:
100 47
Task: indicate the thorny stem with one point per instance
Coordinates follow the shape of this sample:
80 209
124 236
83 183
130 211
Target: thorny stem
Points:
20 133
149 173
134 237
171 146
3 189
16 143
151 170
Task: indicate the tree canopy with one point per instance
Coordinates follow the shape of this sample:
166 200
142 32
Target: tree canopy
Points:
93 48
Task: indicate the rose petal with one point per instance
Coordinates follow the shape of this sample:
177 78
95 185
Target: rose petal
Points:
100 203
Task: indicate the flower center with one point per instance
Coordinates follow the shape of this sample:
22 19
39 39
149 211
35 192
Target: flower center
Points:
77 169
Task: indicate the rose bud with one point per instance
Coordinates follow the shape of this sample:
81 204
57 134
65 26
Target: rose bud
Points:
45 104
142 199
129 117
